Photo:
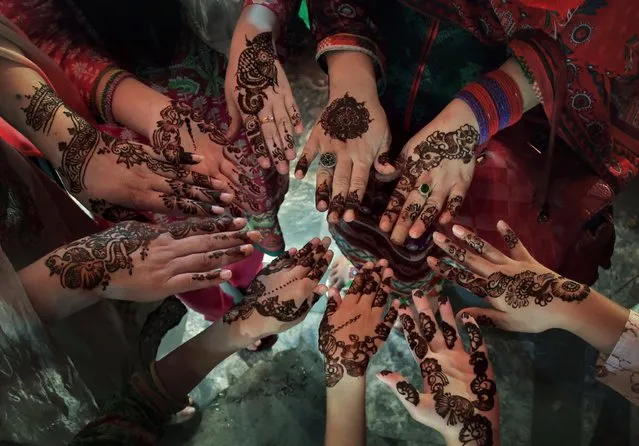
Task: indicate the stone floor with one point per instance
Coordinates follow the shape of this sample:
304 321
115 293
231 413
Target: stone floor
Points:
548 394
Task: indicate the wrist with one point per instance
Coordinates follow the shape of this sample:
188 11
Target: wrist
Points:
347 387
350 68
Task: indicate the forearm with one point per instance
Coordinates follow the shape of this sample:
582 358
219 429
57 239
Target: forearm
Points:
350 67
597 320
50 300
528 95
185 367
346 413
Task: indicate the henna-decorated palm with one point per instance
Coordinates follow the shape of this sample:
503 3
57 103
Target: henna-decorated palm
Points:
144 262
526 295
436 170
354 129
283 292
459 396
258 94
356 326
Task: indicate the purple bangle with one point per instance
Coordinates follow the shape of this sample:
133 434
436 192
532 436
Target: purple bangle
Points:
479 112
499 98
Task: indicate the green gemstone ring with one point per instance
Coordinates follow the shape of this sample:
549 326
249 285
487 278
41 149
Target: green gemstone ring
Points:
424 189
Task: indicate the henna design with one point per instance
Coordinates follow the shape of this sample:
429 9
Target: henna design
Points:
345 118
428 215
475 242
302 164
483 387
381 297
89 262
185 228
417 344
278 153
256 72
230 252
318 270
477 430
455 252
449 333
454 203
183 199
454 409
338 204
44 103
322 193
288 139
385 372
442 299
296 119
408 391
411 212
427 326
206 277
352 201
511 239
255 137
77 153
384 159
474 335
485 321
435 377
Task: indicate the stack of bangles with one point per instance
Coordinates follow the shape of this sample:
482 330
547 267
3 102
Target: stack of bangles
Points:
496 102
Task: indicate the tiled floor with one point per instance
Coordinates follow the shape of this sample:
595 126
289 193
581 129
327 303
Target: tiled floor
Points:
548 394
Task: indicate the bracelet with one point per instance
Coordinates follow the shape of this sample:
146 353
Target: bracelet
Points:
512 94
105 104
479 113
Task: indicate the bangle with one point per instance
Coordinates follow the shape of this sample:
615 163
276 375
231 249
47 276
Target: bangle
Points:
478 111
512 94
105 103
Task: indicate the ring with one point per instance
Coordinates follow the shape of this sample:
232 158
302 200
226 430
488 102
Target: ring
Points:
424 190
328 160
269 118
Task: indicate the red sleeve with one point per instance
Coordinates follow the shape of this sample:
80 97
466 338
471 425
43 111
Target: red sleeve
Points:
338 25
56 31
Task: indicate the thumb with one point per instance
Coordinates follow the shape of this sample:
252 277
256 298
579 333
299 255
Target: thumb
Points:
487 317
383 165
405 391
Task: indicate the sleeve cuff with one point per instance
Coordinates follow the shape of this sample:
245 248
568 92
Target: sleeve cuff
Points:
283 9
352 42
620 370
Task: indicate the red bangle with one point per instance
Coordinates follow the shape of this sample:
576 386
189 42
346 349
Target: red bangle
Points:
512 92
488 104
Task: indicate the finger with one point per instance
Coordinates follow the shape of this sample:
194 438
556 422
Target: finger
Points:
409 396
416 341
304 255
209 183
427 323
463 256
206 261
431 210
334 301
396 203
381 297
214 242
517 249
408 216
311 149
293 113
359 181
489 318
453 205
316 256
320 266
269 127
257 140
316 295
479 245
383 165
196 193
132 153
286 134
341 184
323 188
464 278
235 119
171 204
391 317
448 325
475 336
183 283
354 293
372 284
199 226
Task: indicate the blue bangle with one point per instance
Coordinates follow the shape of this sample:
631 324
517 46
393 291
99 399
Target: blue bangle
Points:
499 98
478 111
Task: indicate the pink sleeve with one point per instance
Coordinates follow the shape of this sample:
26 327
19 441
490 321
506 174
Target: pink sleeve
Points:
620 370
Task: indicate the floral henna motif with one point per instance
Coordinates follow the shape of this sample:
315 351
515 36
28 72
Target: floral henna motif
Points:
411 212
256 72
89 262
449 333
453 408
408 391
185 228
477 430
511 239
436 379
455 252
345 118
352 201
206 277
428 215
427 326
481 386
485 321
114 213
322 193
475 242
474 335
44 103
454 203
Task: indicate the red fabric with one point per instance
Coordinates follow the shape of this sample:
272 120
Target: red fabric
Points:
212 302
552 5
46 22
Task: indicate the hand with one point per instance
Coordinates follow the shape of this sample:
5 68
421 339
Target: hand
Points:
354 327
144 262
283 292
353 129
259 95
437 167
460 397
509 284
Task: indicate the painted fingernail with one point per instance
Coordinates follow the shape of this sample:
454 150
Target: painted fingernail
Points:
458 231
217 209
256 236
189 158
439 237
246 249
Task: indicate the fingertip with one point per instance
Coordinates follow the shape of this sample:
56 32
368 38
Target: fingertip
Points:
226 197
458 231
502 226
226 274
349 216
217 209
239 222
322 206
264 163
255 236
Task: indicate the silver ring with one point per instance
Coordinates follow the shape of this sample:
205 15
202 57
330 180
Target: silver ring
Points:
328 160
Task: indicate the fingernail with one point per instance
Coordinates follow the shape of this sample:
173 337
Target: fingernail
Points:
246 249
217 209
239 222
226 274
439 237
458 231
225 196
256 236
